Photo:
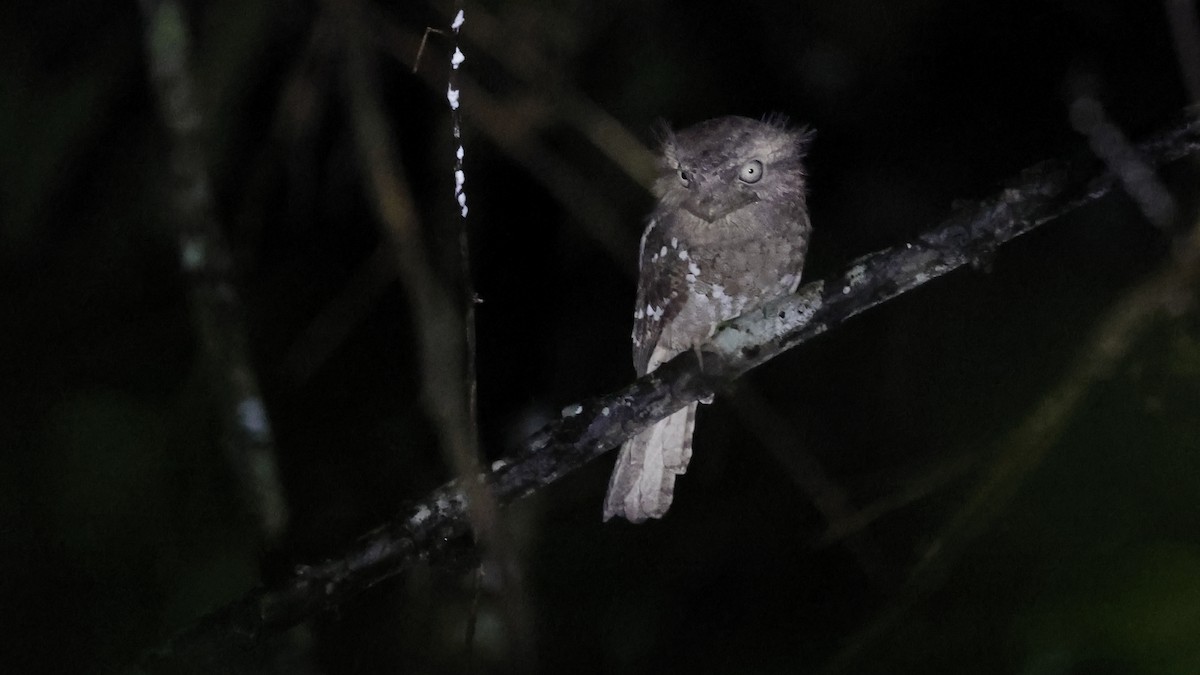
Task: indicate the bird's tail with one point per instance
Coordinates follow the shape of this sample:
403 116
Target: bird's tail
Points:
643 481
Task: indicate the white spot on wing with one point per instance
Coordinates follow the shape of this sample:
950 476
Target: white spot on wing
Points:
724 302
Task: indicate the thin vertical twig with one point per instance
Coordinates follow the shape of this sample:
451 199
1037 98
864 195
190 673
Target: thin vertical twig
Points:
444 336
453 97
472 619
512 585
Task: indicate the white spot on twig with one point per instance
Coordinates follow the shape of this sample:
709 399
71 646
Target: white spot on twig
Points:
421 515
453 98
572 410
252 415
193 254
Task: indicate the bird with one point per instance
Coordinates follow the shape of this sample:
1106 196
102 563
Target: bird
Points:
729 232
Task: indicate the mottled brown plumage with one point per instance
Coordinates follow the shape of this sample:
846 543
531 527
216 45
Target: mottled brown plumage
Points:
729 233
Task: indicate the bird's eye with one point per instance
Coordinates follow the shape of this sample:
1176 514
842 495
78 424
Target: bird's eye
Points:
685 176
751 171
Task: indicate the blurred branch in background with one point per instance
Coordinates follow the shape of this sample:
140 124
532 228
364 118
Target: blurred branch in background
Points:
1185 33
920 484
429 528
789 446
1109 143
209 270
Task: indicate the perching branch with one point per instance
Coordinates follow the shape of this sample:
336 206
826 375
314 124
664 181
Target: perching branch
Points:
430 527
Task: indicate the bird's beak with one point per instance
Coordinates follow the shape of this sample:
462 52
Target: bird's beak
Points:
708 209
704 209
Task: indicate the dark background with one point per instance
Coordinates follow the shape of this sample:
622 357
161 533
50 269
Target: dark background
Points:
120 519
